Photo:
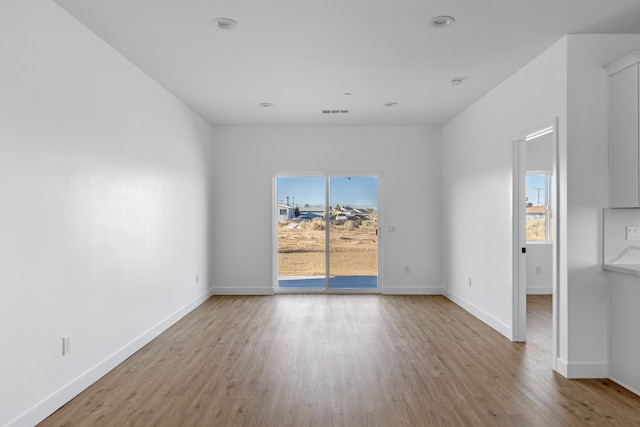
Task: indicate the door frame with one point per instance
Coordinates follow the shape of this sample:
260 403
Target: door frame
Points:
274 229
519 293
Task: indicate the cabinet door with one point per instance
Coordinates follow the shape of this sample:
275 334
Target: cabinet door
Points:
624 335
624 138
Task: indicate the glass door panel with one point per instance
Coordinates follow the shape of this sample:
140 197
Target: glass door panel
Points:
353 237
301 232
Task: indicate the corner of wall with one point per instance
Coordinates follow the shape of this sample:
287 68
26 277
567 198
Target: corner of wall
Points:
487 318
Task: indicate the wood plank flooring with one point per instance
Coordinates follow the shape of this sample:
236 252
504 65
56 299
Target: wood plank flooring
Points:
345 360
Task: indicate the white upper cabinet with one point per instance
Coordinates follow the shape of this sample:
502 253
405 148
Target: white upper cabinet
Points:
625 131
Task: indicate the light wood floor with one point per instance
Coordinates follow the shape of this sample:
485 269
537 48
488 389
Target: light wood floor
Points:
345 360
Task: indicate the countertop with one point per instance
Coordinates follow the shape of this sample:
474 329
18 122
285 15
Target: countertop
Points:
633 269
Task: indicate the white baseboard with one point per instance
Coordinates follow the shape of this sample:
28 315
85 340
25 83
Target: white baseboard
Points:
242 291
561 367
631 389
539 290
58 398
499 326
411 290
582 370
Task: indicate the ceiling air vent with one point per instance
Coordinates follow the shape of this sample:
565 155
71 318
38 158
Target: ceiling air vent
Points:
335 111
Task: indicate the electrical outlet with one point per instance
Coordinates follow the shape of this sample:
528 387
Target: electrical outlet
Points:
633 233
407 269
66 345
538 269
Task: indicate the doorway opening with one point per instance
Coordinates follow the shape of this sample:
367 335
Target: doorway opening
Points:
326 233
535 226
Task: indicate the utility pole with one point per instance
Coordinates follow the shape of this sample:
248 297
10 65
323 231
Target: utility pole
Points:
538 189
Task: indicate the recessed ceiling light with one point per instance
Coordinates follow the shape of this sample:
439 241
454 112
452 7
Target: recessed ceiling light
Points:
441 21
266 104
390 104
224 23
455 82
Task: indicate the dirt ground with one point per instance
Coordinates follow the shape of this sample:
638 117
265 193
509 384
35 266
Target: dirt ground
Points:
536 229
353 249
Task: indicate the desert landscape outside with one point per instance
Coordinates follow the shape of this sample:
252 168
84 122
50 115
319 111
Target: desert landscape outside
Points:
342 237
353 248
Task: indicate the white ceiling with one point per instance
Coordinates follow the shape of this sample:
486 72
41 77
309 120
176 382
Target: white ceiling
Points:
303 55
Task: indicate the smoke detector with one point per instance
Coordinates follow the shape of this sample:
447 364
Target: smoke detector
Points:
442 21
224 23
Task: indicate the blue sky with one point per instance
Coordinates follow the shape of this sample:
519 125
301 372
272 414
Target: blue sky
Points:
355 191
533 182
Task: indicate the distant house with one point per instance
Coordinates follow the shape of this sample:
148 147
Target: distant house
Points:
536 210
312 210
285 212
352 212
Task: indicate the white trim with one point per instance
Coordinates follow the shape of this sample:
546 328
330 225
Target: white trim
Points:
631 389
519 293
412 290
496 324
559 252
538 134
562 367
64 394
587 370
623 63
540 290
582 370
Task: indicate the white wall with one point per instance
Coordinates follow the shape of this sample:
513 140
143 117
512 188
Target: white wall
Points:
567 82
587 195
540 154
245 159
104 208
478 173
539 268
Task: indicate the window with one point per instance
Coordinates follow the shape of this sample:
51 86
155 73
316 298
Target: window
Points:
539 209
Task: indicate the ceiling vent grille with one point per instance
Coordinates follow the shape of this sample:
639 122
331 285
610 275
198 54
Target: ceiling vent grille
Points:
335 111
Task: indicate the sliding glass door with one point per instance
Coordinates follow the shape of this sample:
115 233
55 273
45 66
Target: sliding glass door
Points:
353 237
326 232
302 260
